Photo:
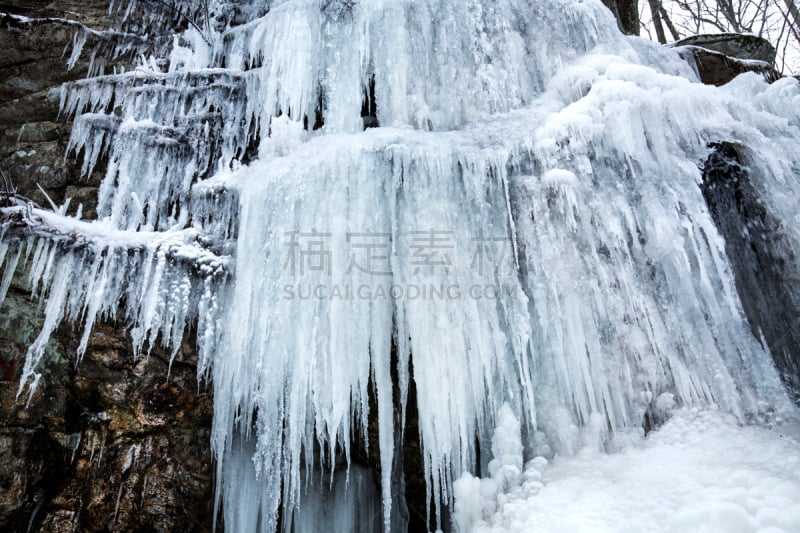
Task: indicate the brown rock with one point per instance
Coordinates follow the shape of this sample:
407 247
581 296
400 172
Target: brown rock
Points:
721 57
736 45
111 443
715 68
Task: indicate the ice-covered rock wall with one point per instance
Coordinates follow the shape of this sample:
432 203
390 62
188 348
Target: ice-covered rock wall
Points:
526 228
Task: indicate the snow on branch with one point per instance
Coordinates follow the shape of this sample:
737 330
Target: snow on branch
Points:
158 282
21 219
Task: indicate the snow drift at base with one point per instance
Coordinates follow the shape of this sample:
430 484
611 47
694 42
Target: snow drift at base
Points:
701 471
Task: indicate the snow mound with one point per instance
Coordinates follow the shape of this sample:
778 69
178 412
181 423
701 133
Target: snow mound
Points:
700 472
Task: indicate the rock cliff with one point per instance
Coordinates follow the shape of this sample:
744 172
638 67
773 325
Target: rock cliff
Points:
112 443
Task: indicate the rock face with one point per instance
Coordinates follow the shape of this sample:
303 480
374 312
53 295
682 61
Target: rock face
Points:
720 58
112 443
764 263
32 68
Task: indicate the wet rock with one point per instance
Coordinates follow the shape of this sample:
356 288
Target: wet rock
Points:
84 196
764 261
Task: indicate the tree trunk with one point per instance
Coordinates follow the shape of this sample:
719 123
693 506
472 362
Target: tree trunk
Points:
627 14
655 11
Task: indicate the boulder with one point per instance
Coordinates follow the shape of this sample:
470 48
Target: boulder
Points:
720 58
715 68
736 45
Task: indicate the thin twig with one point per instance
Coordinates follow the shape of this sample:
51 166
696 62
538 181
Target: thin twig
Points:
174 9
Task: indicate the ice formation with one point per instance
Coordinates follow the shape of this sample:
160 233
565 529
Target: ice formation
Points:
524 238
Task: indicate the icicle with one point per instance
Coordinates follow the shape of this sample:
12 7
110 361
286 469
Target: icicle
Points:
10 267
524 238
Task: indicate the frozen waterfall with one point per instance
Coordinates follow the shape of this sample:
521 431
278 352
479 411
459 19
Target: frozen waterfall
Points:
526 229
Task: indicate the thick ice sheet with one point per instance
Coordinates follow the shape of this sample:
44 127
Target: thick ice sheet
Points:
615 292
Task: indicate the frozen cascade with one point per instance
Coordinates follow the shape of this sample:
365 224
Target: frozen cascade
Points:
537 242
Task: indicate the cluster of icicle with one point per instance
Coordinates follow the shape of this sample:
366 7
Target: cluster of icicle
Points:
158 283
534 124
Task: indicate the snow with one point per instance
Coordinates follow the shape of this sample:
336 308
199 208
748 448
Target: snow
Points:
531 206
701 471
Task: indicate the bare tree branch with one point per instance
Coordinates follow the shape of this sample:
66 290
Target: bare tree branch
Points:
665 17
